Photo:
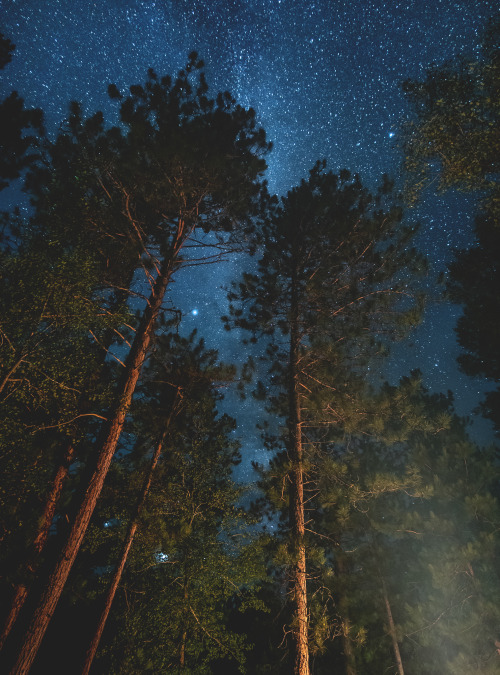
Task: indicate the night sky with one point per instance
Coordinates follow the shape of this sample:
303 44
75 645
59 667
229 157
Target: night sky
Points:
324 78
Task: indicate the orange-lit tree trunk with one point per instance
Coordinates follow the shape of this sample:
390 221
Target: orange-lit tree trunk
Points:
21 590
392 630
127 544
300 637
182 652
112 432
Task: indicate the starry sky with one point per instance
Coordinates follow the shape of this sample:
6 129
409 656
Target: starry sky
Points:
324 77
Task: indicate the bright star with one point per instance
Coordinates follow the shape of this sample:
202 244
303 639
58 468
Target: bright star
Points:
194 312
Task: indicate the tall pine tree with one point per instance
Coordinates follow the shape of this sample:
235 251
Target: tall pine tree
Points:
151 182
334 272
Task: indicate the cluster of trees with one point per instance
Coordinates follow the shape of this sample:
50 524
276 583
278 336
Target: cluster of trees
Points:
126 545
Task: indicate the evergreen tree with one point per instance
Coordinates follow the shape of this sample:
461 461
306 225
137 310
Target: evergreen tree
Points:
15 121
329 279
456 125
187 373
49 312
452 616
150 182
456 130
418 521
190 563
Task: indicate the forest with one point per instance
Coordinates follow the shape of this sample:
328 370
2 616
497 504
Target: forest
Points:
370 542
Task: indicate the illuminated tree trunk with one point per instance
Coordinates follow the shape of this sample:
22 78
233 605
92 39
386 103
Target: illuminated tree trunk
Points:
297 520
392 630
113 429
182 652
22 589
127 545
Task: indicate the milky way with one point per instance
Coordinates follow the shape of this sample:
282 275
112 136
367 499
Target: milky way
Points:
324 78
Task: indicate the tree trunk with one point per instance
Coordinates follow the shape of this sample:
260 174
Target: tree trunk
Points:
350 660
127 544
22 589
392 630
349 655
182 652
297 520
112 432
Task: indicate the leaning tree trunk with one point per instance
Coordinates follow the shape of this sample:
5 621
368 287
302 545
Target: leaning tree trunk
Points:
300 637
112 432
182 651
21 590
392 630
127 544
32 563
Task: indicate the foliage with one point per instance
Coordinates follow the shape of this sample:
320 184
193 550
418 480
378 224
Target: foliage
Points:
192 558
457 125
15 120
457 111
332 287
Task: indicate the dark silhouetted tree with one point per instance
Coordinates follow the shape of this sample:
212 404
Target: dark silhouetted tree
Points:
456 133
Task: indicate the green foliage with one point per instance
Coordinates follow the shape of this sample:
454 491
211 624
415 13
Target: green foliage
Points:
344 250
452 621
332 287
400 506
193 557
415 522
457 126
113 207
457 123
51 319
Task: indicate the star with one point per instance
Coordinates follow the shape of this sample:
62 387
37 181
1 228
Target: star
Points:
329 100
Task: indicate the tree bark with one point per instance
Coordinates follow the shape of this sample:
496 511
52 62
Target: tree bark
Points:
21 590
392 630
127 544
112 432
182 652
300 637
350 661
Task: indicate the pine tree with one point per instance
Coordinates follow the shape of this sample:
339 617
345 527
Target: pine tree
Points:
452 618
48 359
415 517
189 564
456 124
188 372
328 280
17 147
455 136
151 183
